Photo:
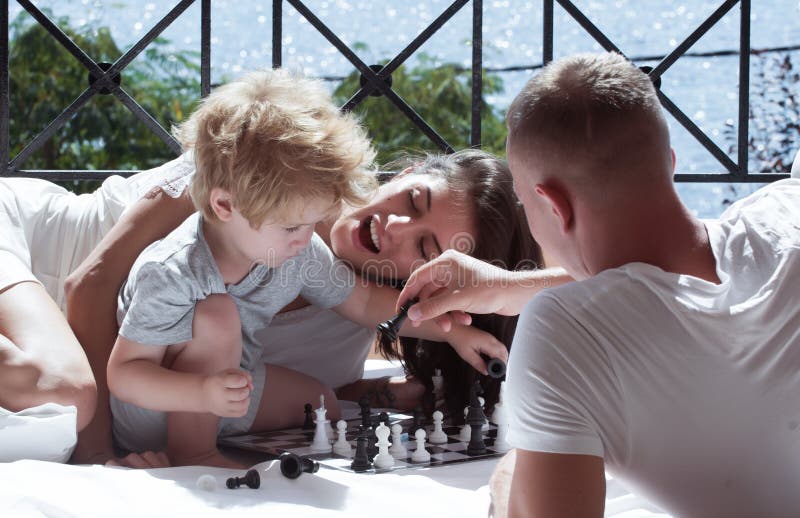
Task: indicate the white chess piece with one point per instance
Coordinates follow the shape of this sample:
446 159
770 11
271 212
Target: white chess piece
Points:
420 454
321 444
437 435
500 442
342 445
438 387
398 449
485 425
466 432
498 416
383 459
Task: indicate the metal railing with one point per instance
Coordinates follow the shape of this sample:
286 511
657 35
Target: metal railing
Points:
375 80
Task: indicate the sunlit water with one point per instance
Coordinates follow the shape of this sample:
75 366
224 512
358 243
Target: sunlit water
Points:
706 89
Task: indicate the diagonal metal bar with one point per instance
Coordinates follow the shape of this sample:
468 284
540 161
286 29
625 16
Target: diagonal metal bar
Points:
277 33
588 26
744 88
148 38
205 48
404 54
4 97
57 123
55 31
547 32
730 178
148 120
697 133
690 40
371 77
477 72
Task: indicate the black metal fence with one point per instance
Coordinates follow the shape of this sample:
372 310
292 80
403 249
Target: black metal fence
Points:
375 79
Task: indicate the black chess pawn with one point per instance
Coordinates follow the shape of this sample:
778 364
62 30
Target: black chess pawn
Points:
308 424
388 330
361 460
418 420
496 368
384 418
251 479
293 465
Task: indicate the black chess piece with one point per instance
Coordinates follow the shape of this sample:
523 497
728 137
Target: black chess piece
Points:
388 330
308 424
293 465
365 411
475 420
496 368
251 479
384 418
361 460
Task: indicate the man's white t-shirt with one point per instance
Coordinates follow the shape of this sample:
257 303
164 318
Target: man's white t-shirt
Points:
689 390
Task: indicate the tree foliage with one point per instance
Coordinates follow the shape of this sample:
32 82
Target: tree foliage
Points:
442 95
45 78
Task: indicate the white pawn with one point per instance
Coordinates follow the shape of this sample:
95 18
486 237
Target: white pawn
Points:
321 444
465 433
383 459
397 449
420 454
342 446
485 425
437 435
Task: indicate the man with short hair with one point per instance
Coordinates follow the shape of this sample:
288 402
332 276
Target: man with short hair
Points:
674 362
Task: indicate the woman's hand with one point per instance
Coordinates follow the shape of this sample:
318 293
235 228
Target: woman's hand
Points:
470 343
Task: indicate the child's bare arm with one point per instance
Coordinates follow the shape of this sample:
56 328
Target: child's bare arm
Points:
135 375
369 305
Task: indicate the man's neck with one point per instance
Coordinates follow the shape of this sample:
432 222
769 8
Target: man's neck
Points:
231 264
662 233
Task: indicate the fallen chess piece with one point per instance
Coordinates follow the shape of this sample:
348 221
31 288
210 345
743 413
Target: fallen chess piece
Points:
292 465
207 482
251 479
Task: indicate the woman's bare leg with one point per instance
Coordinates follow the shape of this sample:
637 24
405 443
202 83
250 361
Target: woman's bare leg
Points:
285 393
41 361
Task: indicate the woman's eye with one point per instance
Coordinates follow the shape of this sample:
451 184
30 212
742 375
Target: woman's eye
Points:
411 196
291 229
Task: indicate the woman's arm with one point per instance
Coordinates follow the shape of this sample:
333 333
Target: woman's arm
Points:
91 293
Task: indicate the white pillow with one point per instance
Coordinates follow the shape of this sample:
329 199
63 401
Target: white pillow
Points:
46 432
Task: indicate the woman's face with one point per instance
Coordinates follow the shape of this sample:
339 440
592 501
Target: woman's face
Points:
411 220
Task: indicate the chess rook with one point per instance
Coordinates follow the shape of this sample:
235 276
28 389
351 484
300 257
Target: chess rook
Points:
496 368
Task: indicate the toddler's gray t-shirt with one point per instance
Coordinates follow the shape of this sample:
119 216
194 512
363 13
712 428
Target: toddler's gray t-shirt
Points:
156 303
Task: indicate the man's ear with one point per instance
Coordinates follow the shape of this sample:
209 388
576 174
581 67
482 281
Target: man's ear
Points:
221 204
559 204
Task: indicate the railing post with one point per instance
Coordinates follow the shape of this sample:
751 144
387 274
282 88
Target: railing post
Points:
277 33
477 71
205 48
547 32
4 112
744 88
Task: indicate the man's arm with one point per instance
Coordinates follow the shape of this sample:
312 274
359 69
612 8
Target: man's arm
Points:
91 292
456 282
530 484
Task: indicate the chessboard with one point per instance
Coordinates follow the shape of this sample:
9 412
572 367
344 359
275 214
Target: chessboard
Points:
298 441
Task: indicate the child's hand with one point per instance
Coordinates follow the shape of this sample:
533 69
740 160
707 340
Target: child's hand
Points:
227 393
470 342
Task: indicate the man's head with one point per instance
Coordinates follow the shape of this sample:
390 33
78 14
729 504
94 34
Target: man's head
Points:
271 143
586 137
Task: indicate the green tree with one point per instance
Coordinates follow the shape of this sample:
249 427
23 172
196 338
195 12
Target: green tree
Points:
104 134
441 94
